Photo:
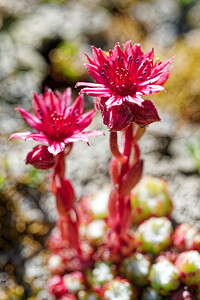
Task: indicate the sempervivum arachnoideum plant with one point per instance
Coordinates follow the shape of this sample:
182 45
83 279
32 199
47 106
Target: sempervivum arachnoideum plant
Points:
119 288
150 198
186 237
188 265
110 245
154 235
164 277
136 268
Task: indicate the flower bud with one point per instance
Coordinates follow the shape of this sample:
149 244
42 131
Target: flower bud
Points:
40 158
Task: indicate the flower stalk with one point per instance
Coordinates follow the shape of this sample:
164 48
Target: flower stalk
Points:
125 172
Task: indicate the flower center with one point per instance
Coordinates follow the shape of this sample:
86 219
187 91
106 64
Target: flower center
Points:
124 75
57 127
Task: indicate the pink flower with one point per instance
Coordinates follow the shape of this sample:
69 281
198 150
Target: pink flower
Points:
122 78
57 121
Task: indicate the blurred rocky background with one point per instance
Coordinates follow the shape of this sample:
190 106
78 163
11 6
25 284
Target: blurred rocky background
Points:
41 45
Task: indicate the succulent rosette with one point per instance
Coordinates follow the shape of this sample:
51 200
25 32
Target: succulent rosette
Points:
150 294
58 123
122 78
136 268
87 295
56 263
74 282
94 231
186 237
95 206
100 274
188 265
154 235
56 286
150 199
168 255
164 277
119 288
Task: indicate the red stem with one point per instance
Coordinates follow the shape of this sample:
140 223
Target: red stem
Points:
114 147
128 136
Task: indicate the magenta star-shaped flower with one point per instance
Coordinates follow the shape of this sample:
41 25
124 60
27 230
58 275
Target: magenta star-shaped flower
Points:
57 121
122 78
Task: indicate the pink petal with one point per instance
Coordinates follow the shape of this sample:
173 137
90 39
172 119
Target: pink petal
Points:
21 135
39 137
30 119
77 106
126 46
96 74
86 119
51 100
56 147
66 98
89 59
162 66
115 100
39 105
152 79
89 84
97 92
82 136
135 99
164 77
150 89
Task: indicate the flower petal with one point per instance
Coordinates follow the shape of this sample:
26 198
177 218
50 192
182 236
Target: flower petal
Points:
51 100
97 92
56 147
150 89
115 100
86 119
39 137
30 119
77 106
39 105
83 136
66 98
21 135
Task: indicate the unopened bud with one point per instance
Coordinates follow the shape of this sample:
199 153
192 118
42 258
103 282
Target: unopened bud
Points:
40 158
